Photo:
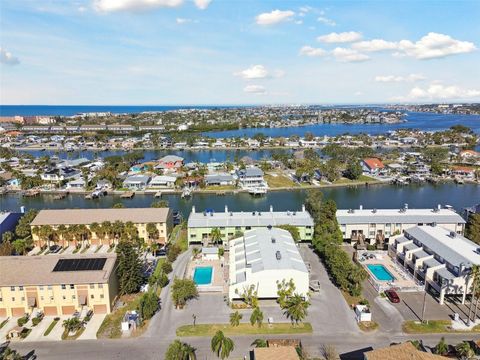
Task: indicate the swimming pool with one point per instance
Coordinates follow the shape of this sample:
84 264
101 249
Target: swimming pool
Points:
202 275
380 272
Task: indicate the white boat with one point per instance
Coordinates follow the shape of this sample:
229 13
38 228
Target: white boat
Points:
186 192
258 191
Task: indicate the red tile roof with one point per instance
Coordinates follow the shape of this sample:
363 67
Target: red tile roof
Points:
373 163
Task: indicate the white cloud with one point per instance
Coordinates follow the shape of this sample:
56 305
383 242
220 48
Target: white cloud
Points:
326 21
299 22
394 78
7 58
375 45
311 51
349 55
133 5
181 21
435 45
202 4
343 37
274 17
255 89
440 92
253 72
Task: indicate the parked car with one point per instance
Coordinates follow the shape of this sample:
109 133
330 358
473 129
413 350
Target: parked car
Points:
314 285
392 296
54 249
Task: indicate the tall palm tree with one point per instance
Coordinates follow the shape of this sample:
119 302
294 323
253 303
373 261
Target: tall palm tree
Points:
221 345
152 231
259 343
61 231
180 351
474 277
296 308
256 317
235 318
130 230
96 229
465 350
117 230
46 233
107 230
216 235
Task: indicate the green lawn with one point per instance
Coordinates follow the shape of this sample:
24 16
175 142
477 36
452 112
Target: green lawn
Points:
433 326
221 187
110 328
75 336
279 181
50 327
243 329
361 180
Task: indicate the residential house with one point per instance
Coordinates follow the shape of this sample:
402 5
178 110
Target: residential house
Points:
136 182
60 174
170 162
372 166
219 179
251 177
163 181
405 351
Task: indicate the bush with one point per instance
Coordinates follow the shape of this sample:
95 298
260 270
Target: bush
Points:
162 280
149 304
166 267
36 321
182 291
221 251
22 321
173 252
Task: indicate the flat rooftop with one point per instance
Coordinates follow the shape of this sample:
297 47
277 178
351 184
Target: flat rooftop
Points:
249 218
454 249
39 270
89 216
393 216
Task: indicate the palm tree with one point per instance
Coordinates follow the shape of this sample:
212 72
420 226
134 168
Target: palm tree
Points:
107 230
8 236
474 275
130 230
259 343
117 229
465 350
235 318
96 229
152 231
61 230
296 308
20 246
216 235
72 324
180 351
221 345
442 347
256 317
46 233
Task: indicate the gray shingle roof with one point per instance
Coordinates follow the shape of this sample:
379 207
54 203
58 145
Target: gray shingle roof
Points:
455 250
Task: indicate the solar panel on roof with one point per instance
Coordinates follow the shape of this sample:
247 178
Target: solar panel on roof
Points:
80 264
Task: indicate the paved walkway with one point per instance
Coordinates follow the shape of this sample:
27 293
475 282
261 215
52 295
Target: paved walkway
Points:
90 332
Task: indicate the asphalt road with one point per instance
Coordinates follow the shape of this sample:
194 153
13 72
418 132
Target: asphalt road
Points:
330 316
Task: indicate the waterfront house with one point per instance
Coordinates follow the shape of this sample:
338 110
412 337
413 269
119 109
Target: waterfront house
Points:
59 174
251 177
372 166
140 217
405 351
170 162
8 222
378 225
463 172
163 182
469 154
59 284
136 182
437 257
262 257
77 184
219 179
230 223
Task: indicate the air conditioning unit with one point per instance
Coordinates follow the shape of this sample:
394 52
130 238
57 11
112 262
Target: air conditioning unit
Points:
278 255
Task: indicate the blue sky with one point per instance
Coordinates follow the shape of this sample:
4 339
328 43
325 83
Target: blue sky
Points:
238 52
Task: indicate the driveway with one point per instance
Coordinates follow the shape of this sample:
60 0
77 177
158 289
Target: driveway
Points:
12 322
90 332
37 331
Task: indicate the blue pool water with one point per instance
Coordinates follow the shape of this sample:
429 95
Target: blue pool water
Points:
380 272
203 275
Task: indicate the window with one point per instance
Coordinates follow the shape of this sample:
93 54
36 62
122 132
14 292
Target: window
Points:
193 236
92 296
12 288
20 288
41 298
102 296
92 286
41 288
1 299
23 298
248 228
49 287
100 286
51 298
64 286
64 297
13 298
73 297
72 286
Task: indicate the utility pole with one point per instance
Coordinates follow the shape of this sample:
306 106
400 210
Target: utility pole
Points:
424 302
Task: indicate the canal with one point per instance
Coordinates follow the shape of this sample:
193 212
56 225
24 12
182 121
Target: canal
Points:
382 196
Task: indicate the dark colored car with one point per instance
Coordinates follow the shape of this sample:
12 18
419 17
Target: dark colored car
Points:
55 249
392 296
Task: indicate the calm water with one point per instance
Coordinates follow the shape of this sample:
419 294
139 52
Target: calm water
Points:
385 196
421 121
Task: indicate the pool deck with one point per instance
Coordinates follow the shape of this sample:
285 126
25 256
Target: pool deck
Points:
402 279
218 270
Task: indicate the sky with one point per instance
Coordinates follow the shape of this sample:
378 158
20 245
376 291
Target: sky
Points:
175 52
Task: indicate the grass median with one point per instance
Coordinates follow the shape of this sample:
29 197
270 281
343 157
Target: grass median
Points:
433 327
243 329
